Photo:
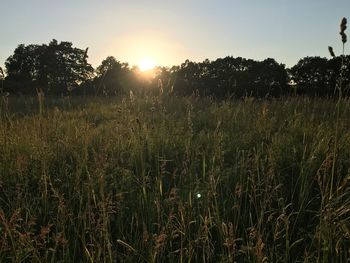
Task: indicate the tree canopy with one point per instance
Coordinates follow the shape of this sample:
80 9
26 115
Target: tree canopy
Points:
54 68
316 76
58 68
111 78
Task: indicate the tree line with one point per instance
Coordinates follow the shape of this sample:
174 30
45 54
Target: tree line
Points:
59 69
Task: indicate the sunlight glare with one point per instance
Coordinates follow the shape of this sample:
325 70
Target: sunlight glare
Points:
146 64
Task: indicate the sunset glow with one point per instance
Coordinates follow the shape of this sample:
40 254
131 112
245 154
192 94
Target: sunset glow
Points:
146 64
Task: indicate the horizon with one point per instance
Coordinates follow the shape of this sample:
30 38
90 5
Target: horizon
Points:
169 33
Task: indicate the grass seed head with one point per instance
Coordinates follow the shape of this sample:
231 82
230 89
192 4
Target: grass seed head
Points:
2 75
342 30
330 49
343 25
344 38
85 54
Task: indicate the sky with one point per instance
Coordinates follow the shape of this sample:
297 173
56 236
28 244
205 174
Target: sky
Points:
169 32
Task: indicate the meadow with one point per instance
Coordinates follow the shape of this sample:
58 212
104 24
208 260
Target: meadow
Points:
166 179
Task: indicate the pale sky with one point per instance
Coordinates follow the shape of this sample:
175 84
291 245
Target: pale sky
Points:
170 32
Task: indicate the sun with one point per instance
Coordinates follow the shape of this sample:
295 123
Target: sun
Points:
146 64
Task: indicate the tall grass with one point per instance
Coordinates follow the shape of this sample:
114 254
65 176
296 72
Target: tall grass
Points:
336 195
174 180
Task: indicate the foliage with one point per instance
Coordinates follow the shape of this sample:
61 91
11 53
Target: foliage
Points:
317 76
58 69
231 76
111 77
55 68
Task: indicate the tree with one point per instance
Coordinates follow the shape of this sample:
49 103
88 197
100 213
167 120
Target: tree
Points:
312 76
112 77
187 78
231 76
56 68
21 68
269 78
333 77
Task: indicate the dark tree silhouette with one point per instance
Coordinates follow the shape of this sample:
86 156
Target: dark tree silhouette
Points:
334 68
310 75
317 76
59 68
187 78
231 76
112 77
270 78
21 68
56 68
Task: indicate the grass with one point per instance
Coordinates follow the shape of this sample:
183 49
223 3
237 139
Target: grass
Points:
174 180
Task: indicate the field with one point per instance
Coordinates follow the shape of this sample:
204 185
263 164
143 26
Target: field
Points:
159 179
